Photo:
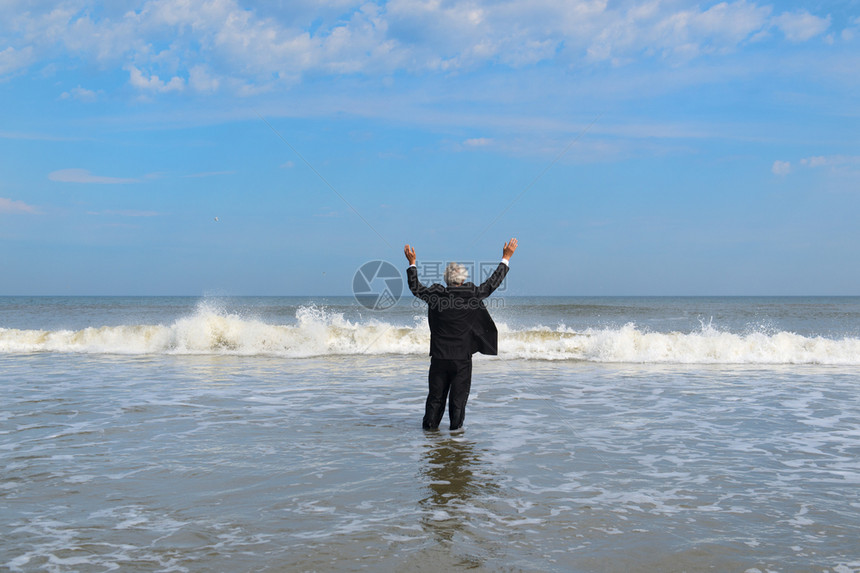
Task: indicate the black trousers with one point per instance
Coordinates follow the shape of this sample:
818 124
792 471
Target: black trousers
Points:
451 379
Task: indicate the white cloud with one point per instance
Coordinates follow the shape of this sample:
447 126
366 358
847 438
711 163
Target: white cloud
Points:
650 29
781 167
722 27
850 32
203 47
84 176
199 79
80 94
154 83
801 26
478 142
105 41
450 36
730 24
830 161
12 60
237 38
814 161
12 206
834 163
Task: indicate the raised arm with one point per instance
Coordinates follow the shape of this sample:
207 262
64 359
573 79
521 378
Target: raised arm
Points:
495 280
415 285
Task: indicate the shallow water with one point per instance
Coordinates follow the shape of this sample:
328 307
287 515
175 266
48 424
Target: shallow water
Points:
161 462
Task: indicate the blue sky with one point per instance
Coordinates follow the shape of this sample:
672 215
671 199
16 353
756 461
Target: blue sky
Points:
643 148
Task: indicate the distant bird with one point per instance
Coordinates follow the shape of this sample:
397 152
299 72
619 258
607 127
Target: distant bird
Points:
216 219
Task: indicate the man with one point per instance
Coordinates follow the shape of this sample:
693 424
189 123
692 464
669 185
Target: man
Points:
460 325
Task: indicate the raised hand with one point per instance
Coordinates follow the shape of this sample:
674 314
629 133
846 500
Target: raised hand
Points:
410 254
509 249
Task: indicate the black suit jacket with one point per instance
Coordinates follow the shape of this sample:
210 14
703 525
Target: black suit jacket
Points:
460 324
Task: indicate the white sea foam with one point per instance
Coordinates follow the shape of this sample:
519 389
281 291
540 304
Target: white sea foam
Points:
319 332
707 346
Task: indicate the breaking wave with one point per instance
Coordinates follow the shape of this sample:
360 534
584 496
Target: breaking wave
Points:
318 332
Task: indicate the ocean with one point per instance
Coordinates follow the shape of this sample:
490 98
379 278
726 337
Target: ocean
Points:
284 434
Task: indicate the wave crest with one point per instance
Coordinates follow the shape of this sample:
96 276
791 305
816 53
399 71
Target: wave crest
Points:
708 346
319 332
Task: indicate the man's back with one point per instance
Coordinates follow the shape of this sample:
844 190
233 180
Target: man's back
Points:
459 322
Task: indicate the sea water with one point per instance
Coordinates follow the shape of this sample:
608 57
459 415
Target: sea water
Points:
283 434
